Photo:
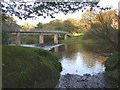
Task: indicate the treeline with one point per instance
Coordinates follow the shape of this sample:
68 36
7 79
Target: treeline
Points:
71 25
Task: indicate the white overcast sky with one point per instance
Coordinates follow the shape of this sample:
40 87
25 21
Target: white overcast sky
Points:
77 15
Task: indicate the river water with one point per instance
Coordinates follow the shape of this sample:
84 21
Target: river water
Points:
76 60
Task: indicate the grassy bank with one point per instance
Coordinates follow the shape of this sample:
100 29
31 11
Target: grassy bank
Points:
74 39
112 70
25 67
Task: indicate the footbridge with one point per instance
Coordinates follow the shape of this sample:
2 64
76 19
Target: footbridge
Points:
41 34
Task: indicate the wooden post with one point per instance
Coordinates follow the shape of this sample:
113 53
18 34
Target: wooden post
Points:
41 39
55 39
18 39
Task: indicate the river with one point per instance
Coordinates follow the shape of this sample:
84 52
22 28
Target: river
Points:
80 67
76 60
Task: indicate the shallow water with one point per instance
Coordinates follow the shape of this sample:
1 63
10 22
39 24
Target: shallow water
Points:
76 60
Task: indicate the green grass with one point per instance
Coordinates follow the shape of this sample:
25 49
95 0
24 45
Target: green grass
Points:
0 66
74 39
25 67
112 71
25 39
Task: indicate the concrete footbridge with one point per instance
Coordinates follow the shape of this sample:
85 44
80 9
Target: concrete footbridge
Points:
41 34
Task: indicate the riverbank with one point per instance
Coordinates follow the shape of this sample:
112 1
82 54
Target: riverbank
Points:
74 39
112 69
85 81
25 67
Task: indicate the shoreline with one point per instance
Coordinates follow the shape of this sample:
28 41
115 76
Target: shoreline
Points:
45 47
85 81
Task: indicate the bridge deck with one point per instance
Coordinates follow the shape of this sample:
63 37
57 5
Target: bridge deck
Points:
45 31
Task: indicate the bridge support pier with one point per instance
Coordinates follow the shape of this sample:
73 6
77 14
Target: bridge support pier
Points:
65 36
56 39
18 39
41 39
56 49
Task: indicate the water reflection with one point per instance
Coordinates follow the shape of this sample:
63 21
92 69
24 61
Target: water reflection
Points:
76 60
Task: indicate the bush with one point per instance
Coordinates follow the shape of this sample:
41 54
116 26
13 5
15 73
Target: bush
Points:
25 67
101 42
112 71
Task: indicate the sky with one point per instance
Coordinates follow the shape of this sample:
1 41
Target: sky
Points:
61 16
77 15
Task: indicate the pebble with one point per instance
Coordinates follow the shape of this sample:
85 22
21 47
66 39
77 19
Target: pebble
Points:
85 81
